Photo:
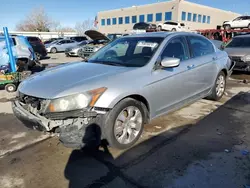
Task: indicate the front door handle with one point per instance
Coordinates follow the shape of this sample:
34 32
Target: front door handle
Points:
215 58
190 66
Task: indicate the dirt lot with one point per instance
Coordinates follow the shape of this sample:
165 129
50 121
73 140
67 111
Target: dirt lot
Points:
204 145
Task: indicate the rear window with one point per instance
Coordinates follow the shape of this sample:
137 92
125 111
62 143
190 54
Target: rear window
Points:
239 42
78 39
182 24
33 39
171 23
13 40
140 26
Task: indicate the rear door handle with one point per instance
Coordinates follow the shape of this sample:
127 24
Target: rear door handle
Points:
190 66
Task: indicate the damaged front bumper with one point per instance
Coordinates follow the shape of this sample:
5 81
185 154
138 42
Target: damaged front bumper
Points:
75 128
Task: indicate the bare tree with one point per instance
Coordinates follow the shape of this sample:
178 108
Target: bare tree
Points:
37 20
81 27
57 27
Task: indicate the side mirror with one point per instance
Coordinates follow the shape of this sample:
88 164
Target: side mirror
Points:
59 43
169 62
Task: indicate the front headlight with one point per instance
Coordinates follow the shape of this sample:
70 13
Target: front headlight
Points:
76 102
246 58
97 48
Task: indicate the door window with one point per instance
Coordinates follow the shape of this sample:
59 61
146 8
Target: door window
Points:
176 48
62 42
200 46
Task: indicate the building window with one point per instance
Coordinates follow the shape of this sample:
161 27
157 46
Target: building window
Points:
194 17
134 19
168 16
103 21
108 21
199 18
127 20
204 19
183 16
189 16
208 19
114 21
120 20
158 17
150 17
141 18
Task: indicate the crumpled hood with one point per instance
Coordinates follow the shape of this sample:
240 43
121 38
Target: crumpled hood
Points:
237 51
68 79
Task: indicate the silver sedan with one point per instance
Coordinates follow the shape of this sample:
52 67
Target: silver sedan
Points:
123 86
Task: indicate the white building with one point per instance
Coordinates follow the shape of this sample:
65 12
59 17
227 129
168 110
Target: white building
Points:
193 15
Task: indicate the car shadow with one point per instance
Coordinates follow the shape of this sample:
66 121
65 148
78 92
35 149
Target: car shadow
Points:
172 150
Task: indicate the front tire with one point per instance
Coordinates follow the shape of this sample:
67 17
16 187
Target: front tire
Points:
10 88
53 50
124 123
227 27
159 28
219 87
249 26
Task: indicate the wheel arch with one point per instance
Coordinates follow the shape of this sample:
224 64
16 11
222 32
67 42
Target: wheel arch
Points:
225 71
140 98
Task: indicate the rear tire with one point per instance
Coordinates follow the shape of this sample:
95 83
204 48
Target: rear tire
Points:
124 123
219 87
173 30
249 26
53 50
227 27
10 88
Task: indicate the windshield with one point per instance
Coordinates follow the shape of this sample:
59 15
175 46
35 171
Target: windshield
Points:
131 52
114 36
239 42
83 43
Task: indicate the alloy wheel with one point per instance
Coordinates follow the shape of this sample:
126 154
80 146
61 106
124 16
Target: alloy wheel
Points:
128 125
220 85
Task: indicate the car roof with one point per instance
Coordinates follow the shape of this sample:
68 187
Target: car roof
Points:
163 34
243 36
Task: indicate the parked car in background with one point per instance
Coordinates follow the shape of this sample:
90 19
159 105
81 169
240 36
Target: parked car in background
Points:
123 86
239 52
148 27
240 22
60 45
78 38
22 50
38 47
172 26
75 51
51 40
99 40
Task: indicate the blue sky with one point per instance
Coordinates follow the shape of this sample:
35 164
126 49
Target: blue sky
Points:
68 12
